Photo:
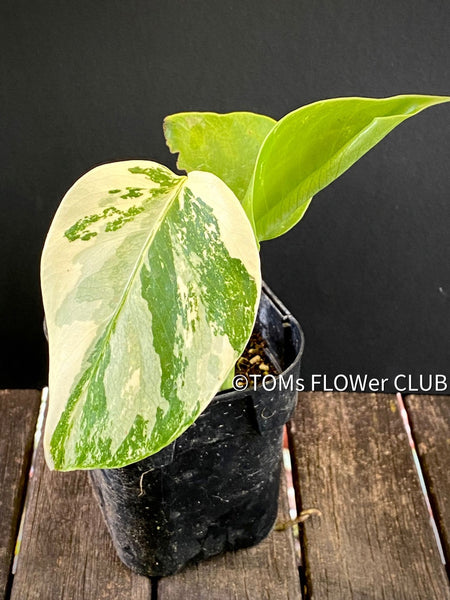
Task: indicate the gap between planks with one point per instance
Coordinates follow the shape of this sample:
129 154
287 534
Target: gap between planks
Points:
67 554
429 418
66 551
374 540
17 426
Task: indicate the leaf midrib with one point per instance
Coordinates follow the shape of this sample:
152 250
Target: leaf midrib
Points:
130 282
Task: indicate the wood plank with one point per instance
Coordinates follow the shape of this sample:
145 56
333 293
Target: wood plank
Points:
66 550
374 540
268 571
429 417
19 410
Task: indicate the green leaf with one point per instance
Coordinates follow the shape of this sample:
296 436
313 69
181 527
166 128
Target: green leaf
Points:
224 144
151 284
310 147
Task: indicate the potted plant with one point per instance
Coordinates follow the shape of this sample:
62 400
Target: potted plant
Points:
151 287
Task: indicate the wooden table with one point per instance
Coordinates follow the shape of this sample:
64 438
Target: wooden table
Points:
351 460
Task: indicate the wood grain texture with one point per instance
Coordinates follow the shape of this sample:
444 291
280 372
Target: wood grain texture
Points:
19 410
66 551
374 540
429 417
268 571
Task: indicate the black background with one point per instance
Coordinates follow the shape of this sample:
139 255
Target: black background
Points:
367 270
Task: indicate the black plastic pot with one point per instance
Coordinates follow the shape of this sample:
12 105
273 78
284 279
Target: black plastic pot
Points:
216 487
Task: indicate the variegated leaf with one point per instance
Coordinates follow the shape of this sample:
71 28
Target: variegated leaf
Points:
151 284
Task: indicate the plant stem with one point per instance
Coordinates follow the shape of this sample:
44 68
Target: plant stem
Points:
228 383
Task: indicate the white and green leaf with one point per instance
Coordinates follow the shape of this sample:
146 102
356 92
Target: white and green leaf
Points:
151 284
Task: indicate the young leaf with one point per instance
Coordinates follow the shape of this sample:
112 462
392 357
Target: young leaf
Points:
151 284
224 144
310 147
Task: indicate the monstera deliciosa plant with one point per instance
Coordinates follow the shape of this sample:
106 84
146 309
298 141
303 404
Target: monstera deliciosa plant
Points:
151 280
